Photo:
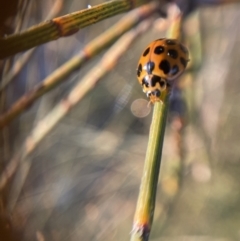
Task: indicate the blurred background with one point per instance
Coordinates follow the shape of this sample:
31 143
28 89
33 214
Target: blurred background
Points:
83 179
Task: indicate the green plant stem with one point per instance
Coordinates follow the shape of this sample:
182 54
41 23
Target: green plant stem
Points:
148 189
63 26
147 195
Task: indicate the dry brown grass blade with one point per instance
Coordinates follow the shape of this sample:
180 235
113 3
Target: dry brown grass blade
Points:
63 26
87 53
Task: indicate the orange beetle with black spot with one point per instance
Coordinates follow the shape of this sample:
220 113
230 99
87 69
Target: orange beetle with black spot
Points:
161 62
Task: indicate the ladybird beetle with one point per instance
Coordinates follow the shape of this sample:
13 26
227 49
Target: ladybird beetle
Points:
161 62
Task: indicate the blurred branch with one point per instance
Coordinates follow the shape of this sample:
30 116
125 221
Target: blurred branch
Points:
84 55
63 26
84 85
18 65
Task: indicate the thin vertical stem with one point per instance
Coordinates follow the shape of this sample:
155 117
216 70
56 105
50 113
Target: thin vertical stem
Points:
147 195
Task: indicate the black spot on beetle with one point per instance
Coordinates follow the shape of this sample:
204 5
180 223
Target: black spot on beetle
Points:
184 62
145 82
156 93
155 79
171 42
162 83
173 53
184 49
150 67
159 49
146 52
139 70
174 70
165 66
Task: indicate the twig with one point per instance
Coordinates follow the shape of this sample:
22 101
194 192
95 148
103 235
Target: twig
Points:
147 195
84 85
26 56
87 53
63 26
